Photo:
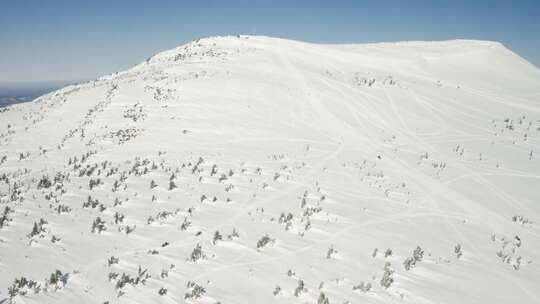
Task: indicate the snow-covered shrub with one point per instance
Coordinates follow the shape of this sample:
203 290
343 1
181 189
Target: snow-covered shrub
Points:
125 279
118 218
286 219
185 225
22 286
197 254
38 228
331 252
113 260
44 182
265 240
417 256
363 287
409 263
217 237
195 291
300 288
387 279
323 299
98 225
457 251
93 203
234 234
94 183
4 219
63 209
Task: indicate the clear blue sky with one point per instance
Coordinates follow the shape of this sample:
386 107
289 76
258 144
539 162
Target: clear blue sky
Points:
76 39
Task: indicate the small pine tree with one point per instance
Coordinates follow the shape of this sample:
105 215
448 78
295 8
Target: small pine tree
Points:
217 237
197 253
265 240
98 225
387 279
457 251
300 288
323 299
418 254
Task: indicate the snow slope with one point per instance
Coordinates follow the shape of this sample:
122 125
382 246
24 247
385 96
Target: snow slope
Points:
260 170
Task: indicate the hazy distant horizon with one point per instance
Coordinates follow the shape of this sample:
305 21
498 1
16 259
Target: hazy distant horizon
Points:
12 92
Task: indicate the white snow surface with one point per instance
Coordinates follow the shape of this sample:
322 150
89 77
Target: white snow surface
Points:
349 158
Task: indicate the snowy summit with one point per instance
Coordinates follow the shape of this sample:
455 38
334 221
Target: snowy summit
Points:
250 169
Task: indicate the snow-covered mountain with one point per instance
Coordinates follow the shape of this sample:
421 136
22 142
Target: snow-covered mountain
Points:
250 169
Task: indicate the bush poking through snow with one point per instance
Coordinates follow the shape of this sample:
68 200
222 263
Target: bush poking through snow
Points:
409 263
113 260
172 185
300 288
118 218
4 219
331 252
387 279
234 234
265 240
38 228
286 219
217 237
94 183
93 203
44 182
323 299
197 254
223 177
185 225
520 219
125 279
98 225
457 251
363 287
63 209
58 277
418 255
23 286
195 291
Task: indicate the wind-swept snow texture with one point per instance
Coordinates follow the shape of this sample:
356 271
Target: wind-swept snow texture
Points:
260 170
